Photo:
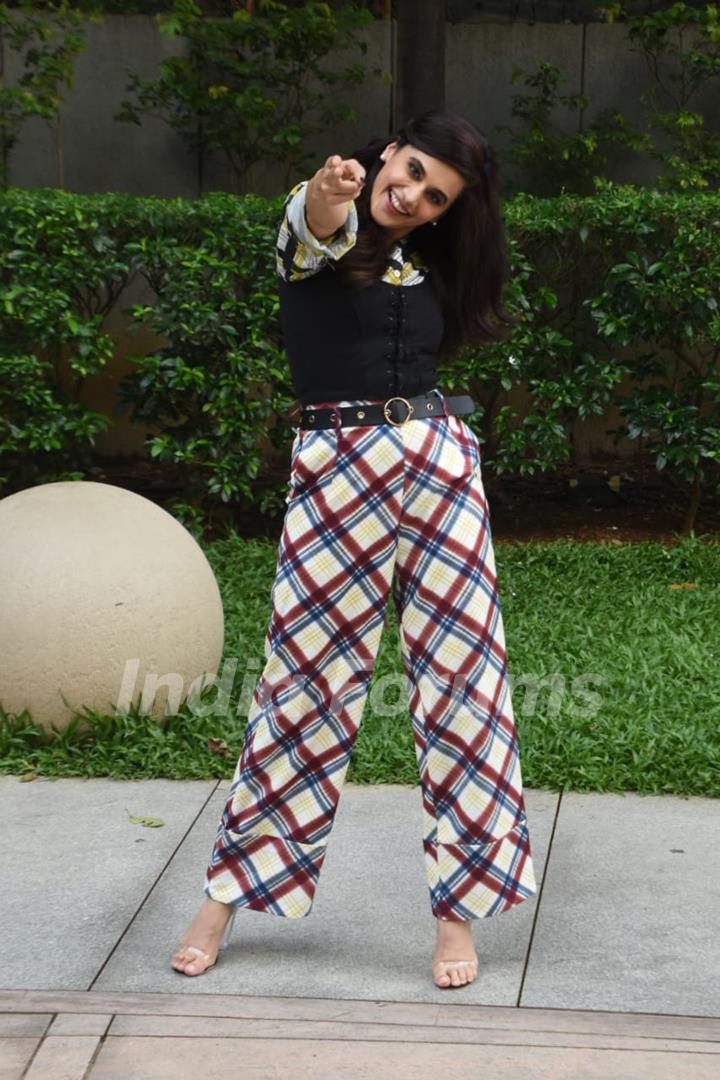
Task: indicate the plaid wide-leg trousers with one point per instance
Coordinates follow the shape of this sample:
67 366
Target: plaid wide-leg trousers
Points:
369 509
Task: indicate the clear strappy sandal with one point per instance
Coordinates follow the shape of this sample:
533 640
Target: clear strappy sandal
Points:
201 953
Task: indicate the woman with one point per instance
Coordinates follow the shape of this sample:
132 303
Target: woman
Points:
386 260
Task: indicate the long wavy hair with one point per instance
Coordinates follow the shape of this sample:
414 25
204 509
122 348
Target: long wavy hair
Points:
465 250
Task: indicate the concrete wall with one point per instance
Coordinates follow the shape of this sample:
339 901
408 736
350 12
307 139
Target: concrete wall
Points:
100 154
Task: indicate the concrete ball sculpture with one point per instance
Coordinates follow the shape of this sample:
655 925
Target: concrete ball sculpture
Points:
105 600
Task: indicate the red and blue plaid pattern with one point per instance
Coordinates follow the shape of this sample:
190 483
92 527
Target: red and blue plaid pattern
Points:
370 509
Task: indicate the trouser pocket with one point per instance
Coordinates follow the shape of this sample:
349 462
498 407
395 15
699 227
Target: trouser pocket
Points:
313 462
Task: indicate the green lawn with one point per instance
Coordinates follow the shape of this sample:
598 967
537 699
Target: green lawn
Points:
616 677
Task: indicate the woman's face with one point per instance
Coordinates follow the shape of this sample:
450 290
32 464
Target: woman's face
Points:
411 189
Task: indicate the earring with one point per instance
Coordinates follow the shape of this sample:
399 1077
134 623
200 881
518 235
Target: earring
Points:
434 224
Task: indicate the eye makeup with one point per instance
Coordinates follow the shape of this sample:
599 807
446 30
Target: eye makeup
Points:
440 197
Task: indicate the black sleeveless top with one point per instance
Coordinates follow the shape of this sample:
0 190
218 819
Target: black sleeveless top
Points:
341 342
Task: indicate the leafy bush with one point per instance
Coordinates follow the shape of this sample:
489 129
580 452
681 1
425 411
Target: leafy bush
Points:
680 45
46 38
218 389
256 85
62 269
620 287
664 293
553 160
615 287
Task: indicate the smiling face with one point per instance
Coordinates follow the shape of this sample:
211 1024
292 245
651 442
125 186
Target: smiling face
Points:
411 189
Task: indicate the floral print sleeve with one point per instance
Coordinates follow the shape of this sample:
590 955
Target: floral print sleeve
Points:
299 253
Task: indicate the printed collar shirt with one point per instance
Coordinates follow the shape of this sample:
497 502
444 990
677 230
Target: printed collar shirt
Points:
379 341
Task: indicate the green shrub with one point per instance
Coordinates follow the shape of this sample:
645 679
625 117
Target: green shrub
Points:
45 38
680 45
253 83
620 286
62 268
218 390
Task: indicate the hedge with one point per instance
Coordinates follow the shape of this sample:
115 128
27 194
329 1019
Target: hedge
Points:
618 287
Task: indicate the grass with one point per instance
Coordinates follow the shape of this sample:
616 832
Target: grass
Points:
615 675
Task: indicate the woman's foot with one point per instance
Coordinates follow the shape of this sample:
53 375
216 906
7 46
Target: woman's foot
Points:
200 945
454 960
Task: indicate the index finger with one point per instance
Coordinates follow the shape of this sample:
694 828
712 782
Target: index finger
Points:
353 170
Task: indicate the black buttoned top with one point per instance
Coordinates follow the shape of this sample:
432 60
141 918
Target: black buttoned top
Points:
347 343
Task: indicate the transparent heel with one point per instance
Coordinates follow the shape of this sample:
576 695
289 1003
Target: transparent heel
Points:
228 930
201 956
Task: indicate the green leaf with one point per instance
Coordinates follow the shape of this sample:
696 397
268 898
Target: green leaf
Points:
149 822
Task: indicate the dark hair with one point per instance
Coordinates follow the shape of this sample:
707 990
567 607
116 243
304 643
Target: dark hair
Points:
466 248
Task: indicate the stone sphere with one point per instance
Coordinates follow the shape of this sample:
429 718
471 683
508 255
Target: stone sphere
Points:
105 601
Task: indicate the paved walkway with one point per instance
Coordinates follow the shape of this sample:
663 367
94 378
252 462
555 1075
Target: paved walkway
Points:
610 971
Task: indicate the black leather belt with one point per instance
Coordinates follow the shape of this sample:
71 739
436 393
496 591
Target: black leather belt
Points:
396 410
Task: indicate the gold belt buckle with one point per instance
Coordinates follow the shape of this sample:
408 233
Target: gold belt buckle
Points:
398 423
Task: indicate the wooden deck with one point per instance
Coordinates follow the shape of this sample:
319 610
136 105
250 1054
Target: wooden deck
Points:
74 1035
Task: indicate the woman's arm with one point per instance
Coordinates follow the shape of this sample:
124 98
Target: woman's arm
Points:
328 194
327 211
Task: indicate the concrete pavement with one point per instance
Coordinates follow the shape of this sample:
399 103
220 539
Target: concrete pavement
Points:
625 922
